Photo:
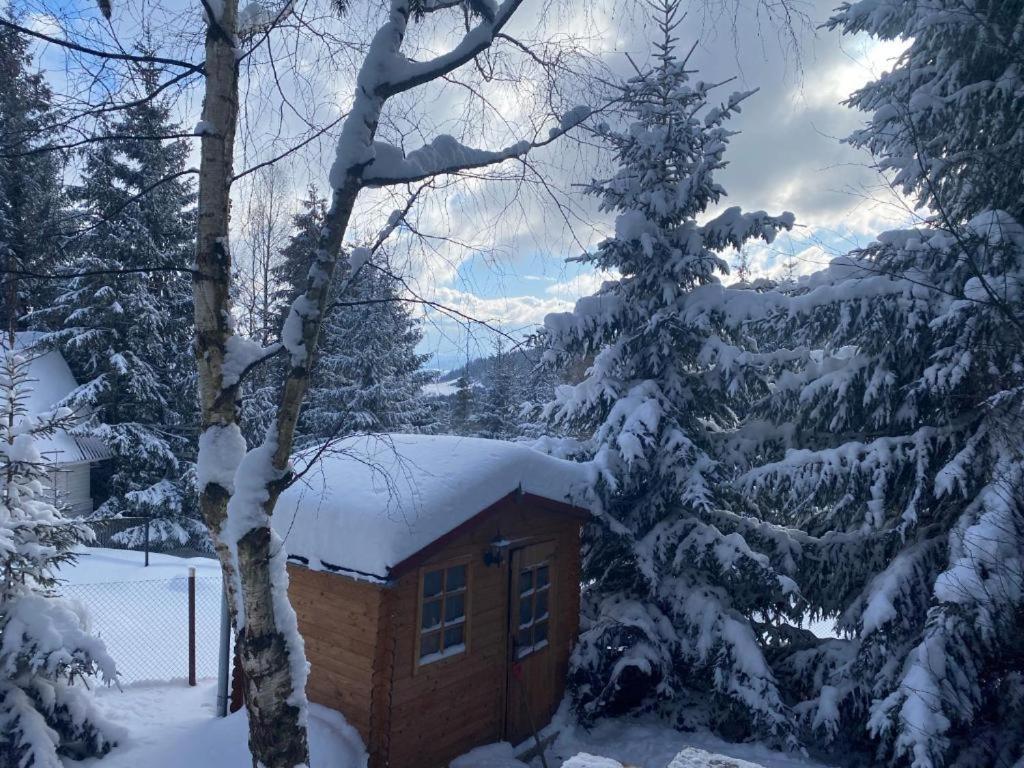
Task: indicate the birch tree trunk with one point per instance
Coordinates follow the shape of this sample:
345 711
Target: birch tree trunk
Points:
277 727
240 487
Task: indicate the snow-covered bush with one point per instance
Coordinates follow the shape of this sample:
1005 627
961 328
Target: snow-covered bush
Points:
45 646
681 589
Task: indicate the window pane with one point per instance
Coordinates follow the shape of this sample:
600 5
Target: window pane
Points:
431 614
456 578
432 583
542 576
430 643
523 638
542 604
454 635
525 582
525 611
454 607
540 632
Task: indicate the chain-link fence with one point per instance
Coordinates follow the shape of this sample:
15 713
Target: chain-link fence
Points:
145 624
143 534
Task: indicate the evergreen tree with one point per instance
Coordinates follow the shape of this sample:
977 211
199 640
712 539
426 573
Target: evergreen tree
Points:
897 442
127 334
946 119
501 399
44 645
30 197
539 384
892 429
461 420
368 374
290 271
287 274
682 590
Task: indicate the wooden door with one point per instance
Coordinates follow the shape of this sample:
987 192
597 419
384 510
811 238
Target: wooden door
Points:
531 691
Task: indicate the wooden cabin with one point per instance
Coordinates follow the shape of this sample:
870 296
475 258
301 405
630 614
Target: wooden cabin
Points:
69 458
436 581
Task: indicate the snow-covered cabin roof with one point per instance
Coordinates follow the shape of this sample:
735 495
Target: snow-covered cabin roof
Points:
51 381
374 501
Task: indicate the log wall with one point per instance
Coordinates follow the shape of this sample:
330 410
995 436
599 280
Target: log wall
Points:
362 643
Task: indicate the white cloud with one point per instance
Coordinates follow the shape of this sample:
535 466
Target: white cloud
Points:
506 312
775 263
862 59
583 284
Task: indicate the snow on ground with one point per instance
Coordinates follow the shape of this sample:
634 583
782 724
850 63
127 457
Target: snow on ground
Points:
640 742
440 388
142 613
139 613
96 565
445 388
647 742
173 726
170 725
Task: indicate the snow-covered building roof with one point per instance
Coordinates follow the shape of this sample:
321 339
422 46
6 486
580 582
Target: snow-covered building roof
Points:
445 388
51 381
371 502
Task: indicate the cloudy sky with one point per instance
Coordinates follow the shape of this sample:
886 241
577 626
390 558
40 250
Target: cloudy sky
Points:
788 156
497 250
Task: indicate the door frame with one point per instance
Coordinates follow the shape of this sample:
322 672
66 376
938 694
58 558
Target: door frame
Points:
511 606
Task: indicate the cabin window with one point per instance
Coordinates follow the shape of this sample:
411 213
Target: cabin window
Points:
534 589
443 627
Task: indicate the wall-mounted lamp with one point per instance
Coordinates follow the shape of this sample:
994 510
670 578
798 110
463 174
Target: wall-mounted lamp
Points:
495 552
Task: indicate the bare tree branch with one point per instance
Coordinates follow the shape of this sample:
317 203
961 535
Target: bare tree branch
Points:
112 55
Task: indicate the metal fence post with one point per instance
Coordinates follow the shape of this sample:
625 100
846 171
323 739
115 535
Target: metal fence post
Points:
191 626
224 657
146 538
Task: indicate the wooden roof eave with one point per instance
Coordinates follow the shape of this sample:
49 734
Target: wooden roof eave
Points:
516 498
414 560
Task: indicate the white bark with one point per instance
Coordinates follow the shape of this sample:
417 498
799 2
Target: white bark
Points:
277 726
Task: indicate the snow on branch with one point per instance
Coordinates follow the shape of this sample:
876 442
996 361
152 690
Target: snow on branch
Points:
257 16
404 74
241 356
446 154
386 72
302 309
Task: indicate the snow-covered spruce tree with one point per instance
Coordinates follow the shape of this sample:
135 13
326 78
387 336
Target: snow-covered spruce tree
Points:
946 119
45 648
903 421
291 269
679 603
461 419
126 334
904 456
30 198
500 400
539 382
369 375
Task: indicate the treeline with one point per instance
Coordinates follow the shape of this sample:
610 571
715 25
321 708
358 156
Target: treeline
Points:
496 396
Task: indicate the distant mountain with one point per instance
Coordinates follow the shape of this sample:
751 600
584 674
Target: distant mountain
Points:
480 367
